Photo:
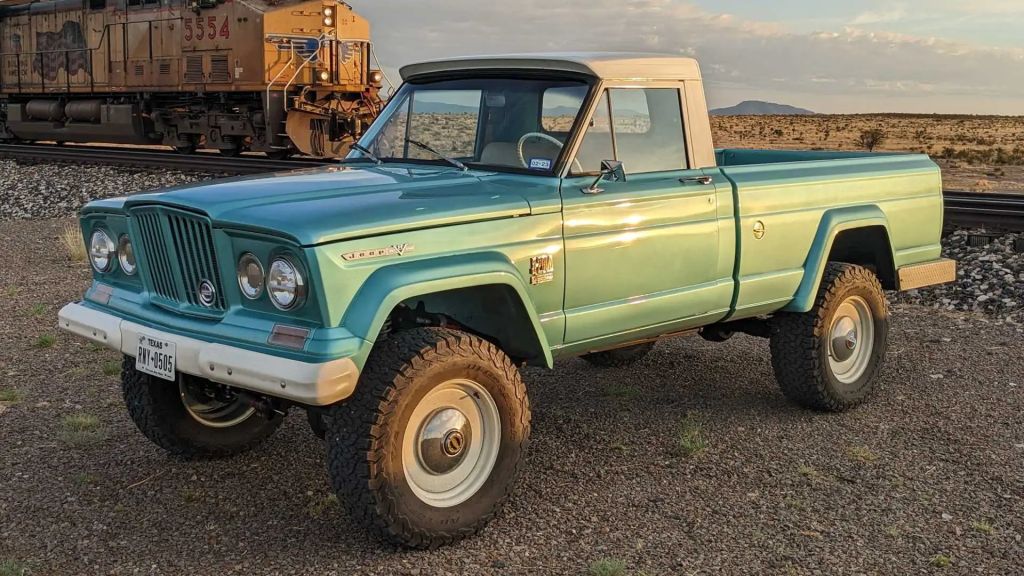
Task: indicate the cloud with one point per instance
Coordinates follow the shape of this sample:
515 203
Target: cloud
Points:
895 14
832 70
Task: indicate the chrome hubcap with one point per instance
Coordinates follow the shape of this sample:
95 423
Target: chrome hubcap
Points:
451 443
444 439
851 339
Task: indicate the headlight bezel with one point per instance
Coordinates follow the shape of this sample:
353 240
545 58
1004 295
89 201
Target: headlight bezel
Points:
126 250
301 289
244 260
111 247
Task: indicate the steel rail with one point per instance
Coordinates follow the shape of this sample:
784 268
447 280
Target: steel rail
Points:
198 162
993 211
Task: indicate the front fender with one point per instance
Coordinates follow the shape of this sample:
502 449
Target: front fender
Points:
832 223
391 285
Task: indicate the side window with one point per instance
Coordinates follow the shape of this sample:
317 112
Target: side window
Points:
559 107
597 142
648 129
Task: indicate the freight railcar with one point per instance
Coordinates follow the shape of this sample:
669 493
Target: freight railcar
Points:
275 76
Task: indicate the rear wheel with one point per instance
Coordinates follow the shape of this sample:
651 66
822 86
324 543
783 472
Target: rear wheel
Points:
619 357
428 449
192 417
829 358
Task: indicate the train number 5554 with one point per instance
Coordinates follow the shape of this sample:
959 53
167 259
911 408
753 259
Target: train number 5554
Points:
197 29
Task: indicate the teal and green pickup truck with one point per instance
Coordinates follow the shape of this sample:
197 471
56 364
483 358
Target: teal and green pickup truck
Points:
502 211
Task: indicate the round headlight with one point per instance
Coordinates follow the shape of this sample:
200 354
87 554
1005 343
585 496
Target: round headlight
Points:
101 251
250 276
126 255
325 75
328 21
328 11
285 284
376 76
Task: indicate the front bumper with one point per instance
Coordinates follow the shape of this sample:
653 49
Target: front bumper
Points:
317 384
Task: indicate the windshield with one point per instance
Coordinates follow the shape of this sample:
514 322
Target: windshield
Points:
491 122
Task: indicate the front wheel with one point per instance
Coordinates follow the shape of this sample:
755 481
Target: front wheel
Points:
193 417
428 449
829 358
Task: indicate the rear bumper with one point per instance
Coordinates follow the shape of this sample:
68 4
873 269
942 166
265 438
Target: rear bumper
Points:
941 271
316 384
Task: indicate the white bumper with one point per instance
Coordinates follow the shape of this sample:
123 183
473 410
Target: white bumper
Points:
308 383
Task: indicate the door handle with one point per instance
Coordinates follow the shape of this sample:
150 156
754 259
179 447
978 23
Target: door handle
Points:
705 180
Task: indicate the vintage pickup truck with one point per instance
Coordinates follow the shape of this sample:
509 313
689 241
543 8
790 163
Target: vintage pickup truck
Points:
501 211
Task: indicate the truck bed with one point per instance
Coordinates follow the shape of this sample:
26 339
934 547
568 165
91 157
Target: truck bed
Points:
793 197
747 156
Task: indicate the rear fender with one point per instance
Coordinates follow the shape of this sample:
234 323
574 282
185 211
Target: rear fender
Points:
833 222
390 286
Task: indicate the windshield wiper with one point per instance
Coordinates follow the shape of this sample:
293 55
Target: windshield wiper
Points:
366 152
428 148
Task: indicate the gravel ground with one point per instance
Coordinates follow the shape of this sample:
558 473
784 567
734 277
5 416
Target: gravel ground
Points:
990 279
927 477
54 190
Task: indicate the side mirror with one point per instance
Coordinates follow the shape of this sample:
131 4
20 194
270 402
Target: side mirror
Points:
611 170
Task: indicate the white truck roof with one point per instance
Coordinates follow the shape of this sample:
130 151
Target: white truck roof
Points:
603 65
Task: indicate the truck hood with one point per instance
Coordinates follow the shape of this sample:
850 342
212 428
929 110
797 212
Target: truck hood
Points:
320 205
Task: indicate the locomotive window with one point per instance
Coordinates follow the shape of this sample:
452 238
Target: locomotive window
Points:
97 4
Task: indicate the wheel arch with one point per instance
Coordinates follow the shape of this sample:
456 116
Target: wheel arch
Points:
855 235
483 292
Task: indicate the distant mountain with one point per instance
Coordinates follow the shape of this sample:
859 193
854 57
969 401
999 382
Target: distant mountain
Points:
425 107
758 108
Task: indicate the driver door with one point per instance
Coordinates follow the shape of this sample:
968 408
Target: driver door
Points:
641 255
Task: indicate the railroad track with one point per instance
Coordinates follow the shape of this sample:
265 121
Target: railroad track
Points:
997 212
201 161
993 211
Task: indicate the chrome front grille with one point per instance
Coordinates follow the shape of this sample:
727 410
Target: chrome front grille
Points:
180 262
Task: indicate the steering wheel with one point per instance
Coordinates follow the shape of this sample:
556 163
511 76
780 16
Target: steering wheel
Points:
546 138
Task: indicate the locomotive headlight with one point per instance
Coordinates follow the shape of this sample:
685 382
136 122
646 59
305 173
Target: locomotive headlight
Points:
325 75
101 251
328 11
376 76
328 21
126 255
285 284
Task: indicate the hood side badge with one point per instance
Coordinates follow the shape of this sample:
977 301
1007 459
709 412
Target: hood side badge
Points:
393 250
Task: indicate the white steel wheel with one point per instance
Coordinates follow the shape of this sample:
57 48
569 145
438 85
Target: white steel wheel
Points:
451 443
850 340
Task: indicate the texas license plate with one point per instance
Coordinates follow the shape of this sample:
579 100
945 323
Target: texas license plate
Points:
155 357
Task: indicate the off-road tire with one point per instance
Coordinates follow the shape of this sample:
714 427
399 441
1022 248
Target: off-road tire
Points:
619 357
800 349
157 409
365 435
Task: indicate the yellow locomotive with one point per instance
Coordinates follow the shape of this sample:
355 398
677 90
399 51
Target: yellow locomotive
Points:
275 76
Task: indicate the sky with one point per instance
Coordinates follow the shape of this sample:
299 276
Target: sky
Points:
831 56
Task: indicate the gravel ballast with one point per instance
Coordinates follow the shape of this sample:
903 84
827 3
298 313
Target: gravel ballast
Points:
59 189
929 472
990 278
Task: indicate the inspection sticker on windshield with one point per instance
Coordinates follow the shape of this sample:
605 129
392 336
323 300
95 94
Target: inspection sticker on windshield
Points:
156 357
540 163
